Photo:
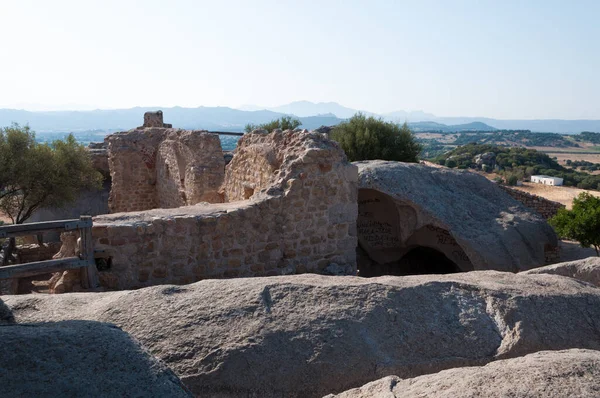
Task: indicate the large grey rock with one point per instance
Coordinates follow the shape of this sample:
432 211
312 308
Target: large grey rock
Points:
587 270
310 335
461 214
80 359
488 158
546 374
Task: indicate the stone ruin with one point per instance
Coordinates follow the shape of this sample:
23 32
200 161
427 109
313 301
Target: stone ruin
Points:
289 202
285 204
415 219
155 119
158 167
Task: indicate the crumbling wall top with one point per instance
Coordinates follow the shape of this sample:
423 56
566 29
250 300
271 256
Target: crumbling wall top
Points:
155 119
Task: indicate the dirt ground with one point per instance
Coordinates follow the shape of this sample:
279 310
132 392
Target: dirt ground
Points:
564 195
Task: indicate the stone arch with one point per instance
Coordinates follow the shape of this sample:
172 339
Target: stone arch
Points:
395 238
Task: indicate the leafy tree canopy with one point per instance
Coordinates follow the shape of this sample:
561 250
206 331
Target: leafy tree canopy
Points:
366 138
582 223
34 175
284 123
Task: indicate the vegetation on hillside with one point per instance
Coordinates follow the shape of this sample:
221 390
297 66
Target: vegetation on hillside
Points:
283 123
582 223
366 138
519 138
35 175
588 136
583 165
520 162
502 138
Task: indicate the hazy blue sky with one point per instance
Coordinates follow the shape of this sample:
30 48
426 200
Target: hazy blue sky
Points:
502 59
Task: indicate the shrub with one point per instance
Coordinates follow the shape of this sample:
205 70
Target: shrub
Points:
366 138
284 123
451 163
582 223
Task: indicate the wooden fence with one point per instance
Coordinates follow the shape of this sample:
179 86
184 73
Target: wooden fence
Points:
85 261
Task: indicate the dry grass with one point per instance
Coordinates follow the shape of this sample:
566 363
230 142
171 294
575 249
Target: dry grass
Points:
564 195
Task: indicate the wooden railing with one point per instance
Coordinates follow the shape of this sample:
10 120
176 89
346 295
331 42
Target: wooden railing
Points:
226 133
85 261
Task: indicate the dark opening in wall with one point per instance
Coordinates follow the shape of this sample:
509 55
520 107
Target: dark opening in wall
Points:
392 240
417 261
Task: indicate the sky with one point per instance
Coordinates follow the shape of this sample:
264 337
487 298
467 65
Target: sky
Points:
534 59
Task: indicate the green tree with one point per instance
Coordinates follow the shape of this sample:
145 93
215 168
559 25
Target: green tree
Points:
284 123
366 138
582 223
451 163
34 175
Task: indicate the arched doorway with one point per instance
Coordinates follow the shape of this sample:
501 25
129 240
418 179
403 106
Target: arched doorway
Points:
395 239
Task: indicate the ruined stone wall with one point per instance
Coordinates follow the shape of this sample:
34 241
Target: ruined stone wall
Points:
544 207
303 222
33 252
163 168
254 167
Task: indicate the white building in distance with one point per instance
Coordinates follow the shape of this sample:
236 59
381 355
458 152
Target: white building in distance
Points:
547 180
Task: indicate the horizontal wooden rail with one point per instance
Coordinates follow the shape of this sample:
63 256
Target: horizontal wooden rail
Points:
226 133
29 229
86 262
41 267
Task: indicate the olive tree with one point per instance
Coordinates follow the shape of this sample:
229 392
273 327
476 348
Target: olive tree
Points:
582 223
35 175
366 138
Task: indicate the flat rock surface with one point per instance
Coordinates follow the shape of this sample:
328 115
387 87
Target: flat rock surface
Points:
547 374
495 231
80 359
310 335
587 270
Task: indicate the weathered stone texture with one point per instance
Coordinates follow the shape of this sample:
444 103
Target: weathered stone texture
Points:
80 359
587 270
301 218
544 207
462 215
98 152
155 119
35 252
311 335
547 374
159 167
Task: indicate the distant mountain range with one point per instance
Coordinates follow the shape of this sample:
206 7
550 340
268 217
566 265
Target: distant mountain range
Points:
307 108
208 118
433 126
312 115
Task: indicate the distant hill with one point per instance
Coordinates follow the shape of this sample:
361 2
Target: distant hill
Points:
539 126
433 126
404 116
208 118
311 114
307 108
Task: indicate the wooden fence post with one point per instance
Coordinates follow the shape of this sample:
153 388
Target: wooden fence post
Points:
89 274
